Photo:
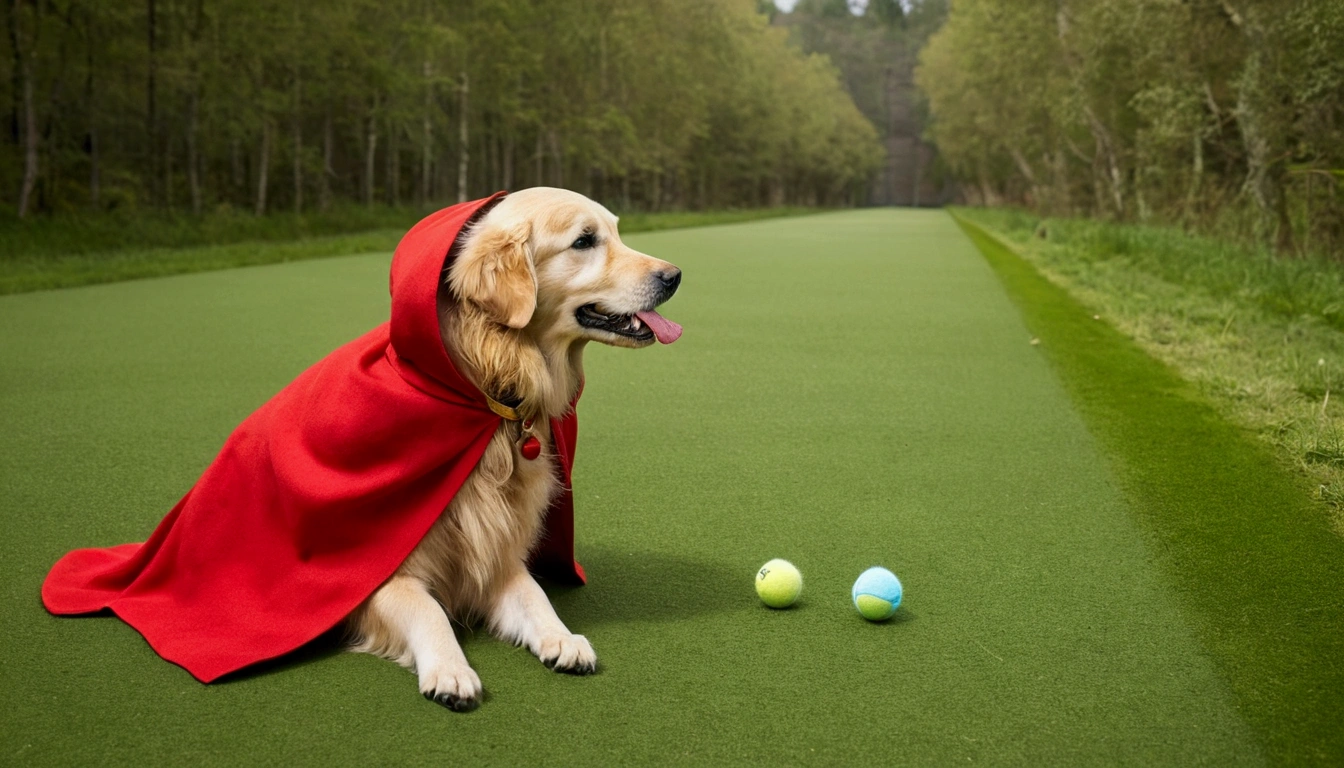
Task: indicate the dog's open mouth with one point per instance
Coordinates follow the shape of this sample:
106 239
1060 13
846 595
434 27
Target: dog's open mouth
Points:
641 326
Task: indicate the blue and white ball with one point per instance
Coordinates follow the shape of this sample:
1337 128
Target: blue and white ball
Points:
877 594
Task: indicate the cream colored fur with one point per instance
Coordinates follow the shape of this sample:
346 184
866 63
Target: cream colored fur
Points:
507 320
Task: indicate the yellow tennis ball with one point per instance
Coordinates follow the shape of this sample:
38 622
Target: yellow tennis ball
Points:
779 583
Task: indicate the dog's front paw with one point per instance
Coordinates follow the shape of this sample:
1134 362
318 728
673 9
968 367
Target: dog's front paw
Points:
457 688
571 654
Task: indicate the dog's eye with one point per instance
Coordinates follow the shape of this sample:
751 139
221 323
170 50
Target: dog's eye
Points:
586 240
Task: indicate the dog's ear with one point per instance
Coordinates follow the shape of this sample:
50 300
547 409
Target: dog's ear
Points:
494 271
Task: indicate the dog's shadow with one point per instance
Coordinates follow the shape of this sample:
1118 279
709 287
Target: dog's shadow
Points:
626 585
326 645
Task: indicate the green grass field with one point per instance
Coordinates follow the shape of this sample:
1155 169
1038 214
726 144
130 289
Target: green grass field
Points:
1097 570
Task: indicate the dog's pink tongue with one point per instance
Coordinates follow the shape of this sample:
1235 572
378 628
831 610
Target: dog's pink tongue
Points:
666 330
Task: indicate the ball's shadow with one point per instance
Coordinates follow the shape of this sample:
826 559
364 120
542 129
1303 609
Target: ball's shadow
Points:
633 586
902 616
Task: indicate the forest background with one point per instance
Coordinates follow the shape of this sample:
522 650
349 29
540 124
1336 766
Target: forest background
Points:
1225 116
256 105
1175 164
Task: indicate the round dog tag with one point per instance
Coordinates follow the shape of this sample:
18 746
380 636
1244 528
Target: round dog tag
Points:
530 448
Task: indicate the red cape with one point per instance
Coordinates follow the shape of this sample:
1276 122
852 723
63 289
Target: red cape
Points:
318 497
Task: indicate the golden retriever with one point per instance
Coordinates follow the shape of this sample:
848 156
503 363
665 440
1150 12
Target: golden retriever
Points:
540 275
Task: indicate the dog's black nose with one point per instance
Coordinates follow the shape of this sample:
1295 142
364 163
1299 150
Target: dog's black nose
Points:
667 282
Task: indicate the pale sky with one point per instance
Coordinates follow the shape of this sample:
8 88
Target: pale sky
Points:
856 6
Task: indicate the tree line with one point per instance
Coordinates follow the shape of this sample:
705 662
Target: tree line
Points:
261 105
875 49
1220 114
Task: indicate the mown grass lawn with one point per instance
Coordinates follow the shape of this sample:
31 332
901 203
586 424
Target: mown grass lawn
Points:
852 389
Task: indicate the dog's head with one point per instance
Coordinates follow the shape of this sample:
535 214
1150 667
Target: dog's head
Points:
551 261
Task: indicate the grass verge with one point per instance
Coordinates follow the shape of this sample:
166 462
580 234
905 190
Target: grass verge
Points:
1262 338
89 232
63 252
1245 549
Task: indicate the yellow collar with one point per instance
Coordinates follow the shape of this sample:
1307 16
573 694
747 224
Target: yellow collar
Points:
501 410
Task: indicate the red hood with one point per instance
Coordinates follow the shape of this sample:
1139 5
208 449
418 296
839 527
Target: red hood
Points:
317 497
417 273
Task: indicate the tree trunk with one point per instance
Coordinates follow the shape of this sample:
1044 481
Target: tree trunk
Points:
892 99
989 197
297 126
1113 176
237 174
370 153
30 140
507 175
193 110
1144 210
492 145
167 163
16 80
1106 170
324 187
918 175
1264 154
193 156
539 157
95 170
1196 178
1028 173
263 165
558 153
28 119
463 152
151 105
1062 200
392 174
427 136
90 104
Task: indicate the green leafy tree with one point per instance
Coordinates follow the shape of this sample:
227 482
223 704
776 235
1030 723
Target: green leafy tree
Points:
1197 111
259 104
